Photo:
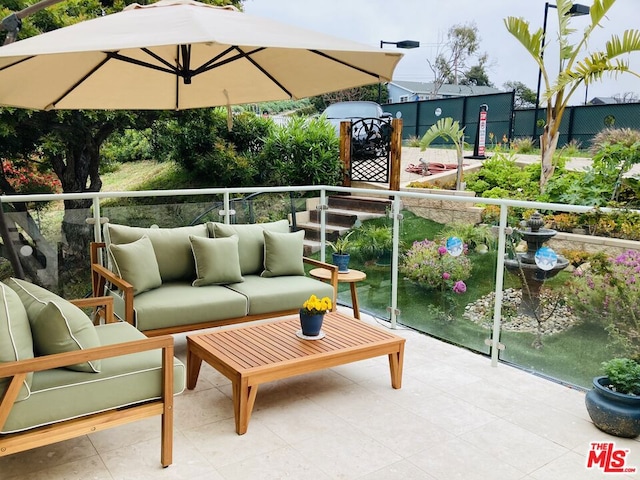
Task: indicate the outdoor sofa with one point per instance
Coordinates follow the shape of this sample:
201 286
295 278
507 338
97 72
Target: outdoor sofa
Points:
169 280
62 377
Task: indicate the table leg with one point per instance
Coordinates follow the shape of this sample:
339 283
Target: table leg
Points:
396 360
244 397
193 368
354 300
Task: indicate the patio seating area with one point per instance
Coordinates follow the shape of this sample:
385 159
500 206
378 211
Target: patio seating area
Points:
454 417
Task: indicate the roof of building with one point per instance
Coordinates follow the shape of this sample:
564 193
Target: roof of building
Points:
427 87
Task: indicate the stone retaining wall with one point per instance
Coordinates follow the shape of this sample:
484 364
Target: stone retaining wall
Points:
443 211
592 244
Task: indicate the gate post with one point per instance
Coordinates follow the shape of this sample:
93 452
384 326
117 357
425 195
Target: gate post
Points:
345 151
396 154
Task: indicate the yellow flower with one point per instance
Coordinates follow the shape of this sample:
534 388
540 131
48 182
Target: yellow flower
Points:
316 305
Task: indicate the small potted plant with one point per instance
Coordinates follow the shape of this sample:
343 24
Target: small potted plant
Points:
341 252
614 402
312 316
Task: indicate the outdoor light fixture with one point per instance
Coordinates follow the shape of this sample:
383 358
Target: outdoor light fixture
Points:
576 10
407 44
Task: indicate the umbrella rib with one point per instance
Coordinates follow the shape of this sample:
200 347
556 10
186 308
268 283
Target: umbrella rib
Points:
79 82
115 55
16 63
211 64
333 59
267 74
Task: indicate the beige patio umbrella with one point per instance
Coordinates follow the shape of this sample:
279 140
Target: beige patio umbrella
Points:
180 54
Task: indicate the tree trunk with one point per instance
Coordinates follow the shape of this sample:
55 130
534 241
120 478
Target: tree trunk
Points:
548 145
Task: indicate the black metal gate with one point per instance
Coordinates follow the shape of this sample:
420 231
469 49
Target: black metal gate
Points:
371 150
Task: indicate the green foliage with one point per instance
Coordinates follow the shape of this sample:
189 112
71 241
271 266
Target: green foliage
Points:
127 146
472 235
609 293
372 241
500 177
623 374
523 145
302 152
342 244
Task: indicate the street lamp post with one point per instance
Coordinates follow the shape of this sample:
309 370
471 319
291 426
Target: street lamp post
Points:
576 10
407 44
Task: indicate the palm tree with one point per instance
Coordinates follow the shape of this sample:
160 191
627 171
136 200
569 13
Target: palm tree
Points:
573 71
448 129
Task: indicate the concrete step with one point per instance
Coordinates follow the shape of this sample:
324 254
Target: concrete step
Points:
312 231
359 203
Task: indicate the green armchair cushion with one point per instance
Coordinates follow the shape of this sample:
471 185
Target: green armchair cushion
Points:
16 342
170 245
136 263
250 241
56 325
217 261
283 253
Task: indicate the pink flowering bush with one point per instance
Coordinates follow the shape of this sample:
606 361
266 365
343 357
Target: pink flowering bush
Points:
610 291
430 265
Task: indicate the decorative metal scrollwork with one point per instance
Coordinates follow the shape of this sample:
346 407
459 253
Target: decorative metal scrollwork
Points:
371 150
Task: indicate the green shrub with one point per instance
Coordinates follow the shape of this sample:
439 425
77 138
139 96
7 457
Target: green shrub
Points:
302 152
500 177
623 374
609 136
523 145
127 146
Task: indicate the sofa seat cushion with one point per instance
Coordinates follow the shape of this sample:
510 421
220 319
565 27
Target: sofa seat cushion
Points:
62 394
16 342
170 245
250 241
275 294
179 303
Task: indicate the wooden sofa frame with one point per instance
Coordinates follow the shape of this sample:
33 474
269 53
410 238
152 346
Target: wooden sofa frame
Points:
101 275
17 442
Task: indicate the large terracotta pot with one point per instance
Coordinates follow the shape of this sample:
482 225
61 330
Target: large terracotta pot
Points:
612 412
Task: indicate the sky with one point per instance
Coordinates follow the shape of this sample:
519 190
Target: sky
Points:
370 21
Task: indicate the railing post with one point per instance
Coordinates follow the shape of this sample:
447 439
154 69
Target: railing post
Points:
227 207
496 346
395 260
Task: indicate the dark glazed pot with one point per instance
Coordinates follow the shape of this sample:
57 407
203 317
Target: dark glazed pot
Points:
311 324
342 261
612 412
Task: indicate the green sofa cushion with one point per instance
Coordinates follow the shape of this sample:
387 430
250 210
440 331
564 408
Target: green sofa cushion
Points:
250 241
136 263
56 325
217 260
16 342
62 394
170 245
179 303
283 253
275 294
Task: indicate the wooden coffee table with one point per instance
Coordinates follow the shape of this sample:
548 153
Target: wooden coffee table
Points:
255 354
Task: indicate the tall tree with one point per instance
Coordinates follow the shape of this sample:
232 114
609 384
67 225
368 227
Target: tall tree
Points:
477 75
574 71
461 44
524 96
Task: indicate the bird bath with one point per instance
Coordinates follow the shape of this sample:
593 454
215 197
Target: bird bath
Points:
536 265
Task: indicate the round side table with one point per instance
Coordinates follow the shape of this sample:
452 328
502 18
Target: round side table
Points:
351 277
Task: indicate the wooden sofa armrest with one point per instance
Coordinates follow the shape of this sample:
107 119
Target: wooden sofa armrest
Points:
101 275
103 307
18 370
334 275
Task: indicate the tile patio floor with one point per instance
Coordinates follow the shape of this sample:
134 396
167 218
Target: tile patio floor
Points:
455 417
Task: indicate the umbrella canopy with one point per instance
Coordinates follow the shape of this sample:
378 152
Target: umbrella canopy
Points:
179 54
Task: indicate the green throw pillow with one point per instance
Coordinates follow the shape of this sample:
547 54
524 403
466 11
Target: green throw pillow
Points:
57 325
283 253
16 342
250 242
217 260
136 263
